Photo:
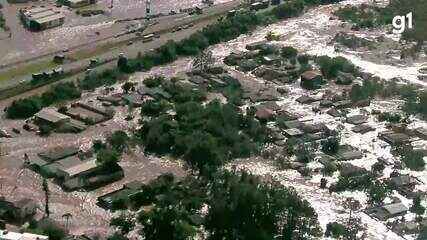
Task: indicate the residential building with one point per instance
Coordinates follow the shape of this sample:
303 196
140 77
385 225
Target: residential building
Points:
51 117
311 80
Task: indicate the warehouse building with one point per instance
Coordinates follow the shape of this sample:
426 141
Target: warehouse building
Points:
41 18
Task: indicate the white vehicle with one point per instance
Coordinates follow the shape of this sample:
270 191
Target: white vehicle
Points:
148 37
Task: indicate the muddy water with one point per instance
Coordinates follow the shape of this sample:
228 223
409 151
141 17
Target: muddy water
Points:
312 33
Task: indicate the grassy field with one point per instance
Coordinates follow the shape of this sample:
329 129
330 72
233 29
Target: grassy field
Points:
27 69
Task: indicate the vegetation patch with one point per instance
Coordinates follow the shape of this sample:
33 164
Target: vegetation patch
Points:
24 108
229 206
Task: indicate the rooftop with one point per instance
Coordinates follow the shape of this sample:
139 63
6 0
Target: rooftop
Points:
310 75
51 115
82 167
395 208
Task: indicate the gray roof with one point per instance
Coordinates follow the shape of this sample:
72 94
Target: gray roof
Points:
395 208
51 115
357 119
59 153
50 18
293 132
82 167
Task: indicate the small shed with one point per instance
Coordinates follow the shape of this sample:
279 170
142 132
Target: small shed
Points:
311 80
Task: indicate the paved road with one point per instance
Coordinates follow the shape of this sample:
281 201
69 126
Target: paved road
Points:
104 52
130 50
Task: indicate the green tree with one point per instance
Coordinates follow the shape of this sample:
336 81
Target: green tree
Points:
118 140
289 52
123 222
107 158
417 207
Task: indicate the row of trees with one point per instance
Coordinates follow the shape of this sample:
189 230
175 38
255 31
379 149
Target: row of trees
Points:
24 108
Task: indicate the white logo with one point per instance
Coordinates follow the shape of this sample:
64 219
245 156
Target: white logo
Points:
399 23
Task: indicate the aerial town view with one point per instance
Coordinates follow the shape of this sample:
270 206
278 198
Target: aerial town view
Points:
213 119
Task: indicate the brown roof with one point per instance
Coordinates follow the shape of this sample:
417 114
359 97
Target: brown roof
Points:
310 75
264 113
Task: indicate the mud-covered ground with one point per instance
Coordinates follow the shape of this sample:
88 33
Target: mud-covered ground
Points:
310 33
78 30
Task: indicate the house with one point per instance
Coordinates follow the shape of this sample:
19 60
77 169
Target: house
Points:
85 167
50 117
313 127
404 184
393 138
342 104
41 18
293 132
335 113
325 103
363 128
286 115
305 99
79 3
348 155
264 114
388 211
106 201
8 235
356 119
256 45
311 80
58 153
107 112
403 180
